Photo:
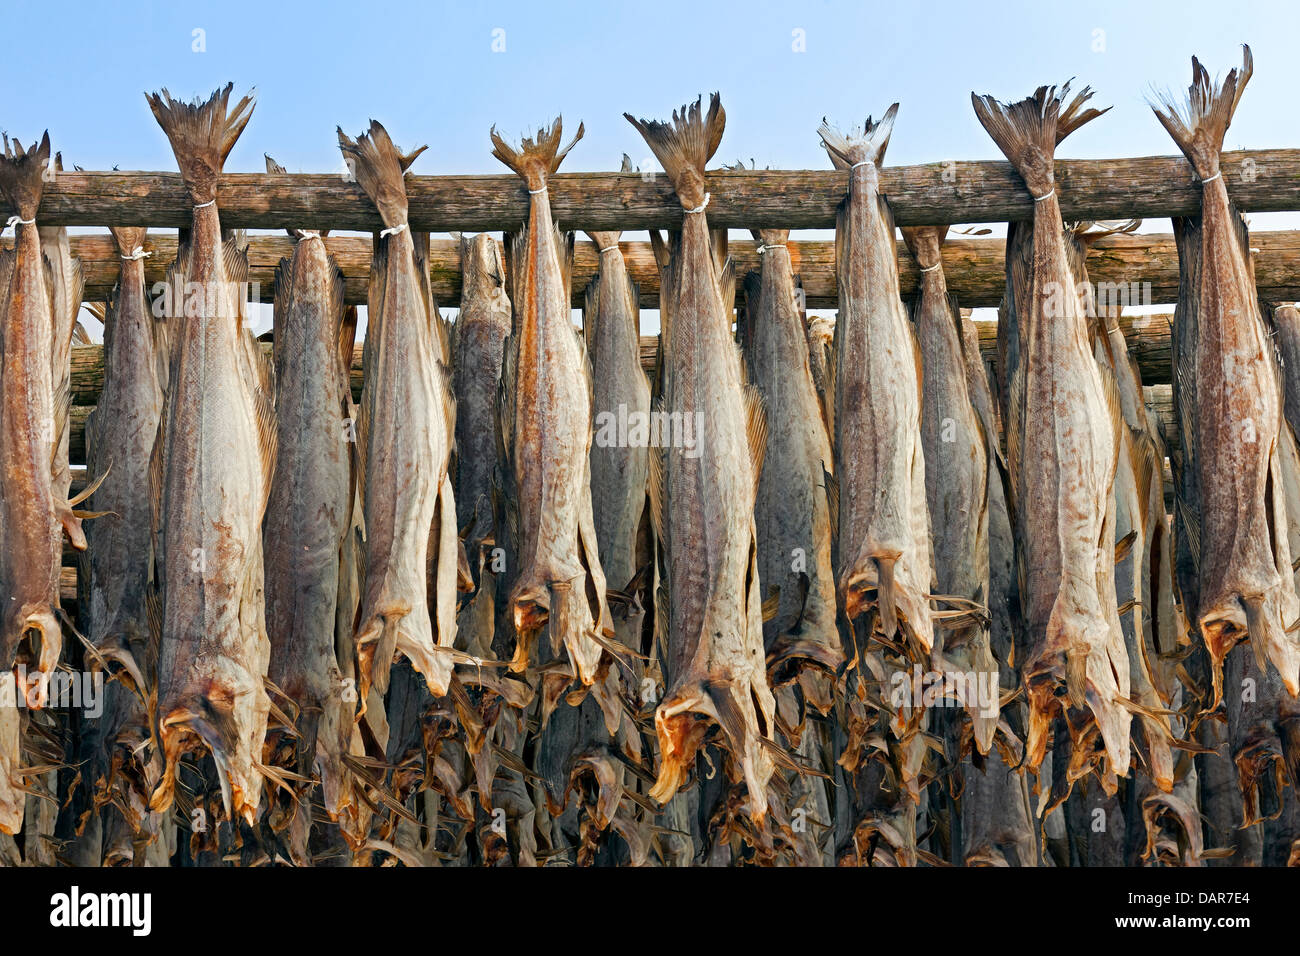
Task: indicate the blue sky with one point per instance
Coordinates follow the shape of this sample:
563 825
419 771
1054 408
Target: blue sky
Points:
428 71
436 74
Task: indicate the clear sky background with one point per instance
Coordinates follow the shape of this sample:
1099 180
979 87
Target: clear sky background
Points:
429 72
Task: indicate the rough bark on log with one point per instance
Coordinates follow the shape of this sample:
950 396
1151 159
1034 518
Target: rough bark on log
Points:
1134 269
1263 180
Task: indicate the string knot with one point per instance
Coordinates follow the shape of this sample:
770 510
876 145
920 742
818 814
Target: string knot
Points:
137 254
208 203
392 231
702 206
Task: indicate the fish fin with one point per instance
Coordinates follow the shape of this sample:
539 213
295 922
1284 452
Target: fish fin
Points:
655 489
380 169
535 160
202 135
684 146
22 175
347 337
755 430
1125 545
867 145
1199 132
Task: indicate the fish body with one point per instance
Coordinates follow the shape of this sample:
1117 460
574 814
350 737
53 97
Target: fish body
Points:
479 335
883 541
791 511
545 413
1062 450
1230 405
213 461
309 512
704 498
120 591
956 474
408 602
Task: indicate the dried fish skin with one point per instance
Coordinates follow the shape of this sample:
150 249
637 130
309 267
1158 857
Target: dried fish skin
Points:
30 513
703 498
119 589
791 510
956 474
308 514
1230 405
545 410
883 540
1061 440
620 393
405 434
213 460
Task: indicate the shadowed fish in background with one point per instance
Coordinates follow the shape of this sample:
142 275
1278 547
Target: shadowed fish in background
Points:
308 516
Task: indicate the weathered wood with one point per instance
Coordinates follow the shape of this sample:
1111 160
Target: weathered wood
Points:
986 191
1143 267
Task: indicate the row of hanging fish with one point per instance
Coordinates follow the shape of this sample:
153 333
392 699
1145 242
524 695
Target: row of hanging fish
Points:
795 596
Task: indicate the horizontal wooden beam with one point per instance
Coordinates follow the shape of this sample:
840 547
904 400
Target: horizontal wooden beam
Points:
1266 180
1144 267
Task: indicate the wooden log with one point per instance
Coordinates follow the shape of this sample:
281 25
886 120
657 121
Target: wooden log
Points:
1142 268
1265 180
1147 337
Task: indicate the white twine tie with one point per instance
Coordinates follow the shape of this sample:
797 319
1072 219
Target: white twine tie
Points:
393 231
208 203
1048 195
609 249
932 268
865 162
1212 178
770 245
534 192
305 234
136 254
702 206
15 221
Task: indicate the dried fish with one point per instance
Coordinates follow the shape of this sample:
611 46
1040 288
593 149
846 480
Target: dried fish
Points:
120 593
212 465
883 542
1061 426
404 437
1229 404
702 494
791 511
545 414
308 515
956 475
479 338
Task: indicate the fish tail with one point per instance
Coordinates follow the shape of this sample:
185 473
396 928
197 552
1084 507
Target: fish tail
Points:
685 145
535 160
924 242
604 240
1029 131
869 145
379 167
128 238
202 135
1200 131
22 174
